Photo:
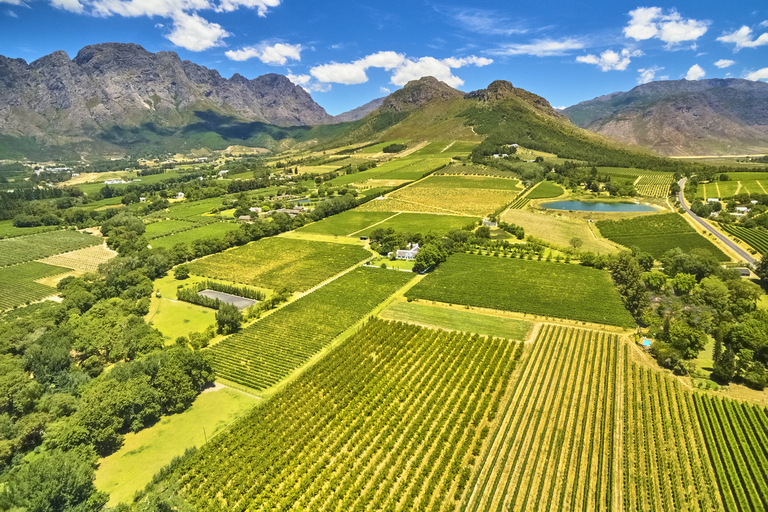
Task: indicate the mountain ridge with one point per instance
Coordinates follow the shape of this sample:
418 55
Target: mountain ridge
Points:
683 117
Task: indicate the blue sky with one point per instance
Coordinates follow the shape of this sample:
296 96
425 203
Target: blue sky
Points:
349 52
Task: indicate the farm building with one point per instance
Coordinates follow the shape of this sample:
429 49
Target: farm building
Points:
742 209
406 254
114 182
490 224
713 200
246 218
180 195
255 209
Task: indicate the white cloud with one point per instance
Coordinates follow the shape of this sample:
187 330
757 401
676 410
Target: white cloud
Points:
11 14
13 2
764 23
190 30
299 79
559 108
196 34
404 68
541 48
648 74
348 74
486 22
68 5
695 72
384 90
277 54
260 6
610 60
760 74
742 38
670 27
724 63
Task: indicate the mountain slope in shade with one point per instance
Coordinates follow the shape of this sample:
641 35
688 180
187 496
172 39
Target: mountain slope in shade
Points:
58 100
682 117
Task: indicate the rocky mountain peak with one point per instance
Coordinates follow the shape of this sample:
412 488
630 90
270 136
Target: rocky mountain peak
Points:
418 93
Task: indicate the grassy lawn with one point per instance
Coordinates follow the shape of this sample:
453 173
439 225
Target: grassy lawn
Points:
280 262
456 320
535 287
143 454
399 264
545 190
166 227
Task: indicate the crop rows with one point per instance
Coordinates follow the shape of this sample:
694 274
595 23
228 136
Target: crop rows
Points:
42 245
754 237
520 203
18 286
390 420
266 352
85 260
654 185
545 190
736 436
665 463
554 446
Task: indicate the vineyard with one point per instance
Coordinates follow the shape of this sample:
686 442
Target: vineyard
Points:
167 227
657 234
654 185
18 286
535 287
391 420
267 351
424 223
520 203
345 223
84 260
554 445
545 190
449 194
280 262
757 238
42 245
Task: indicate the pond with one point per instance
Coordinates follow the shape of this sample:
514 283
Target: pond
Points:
597 206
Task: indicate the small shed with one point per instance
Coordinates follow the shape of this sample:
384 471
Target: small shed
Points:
246 218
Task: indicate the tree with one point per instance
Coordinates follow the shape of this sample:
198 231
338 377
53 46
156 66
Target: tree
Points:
228 318
576 242
429 256
761 269
725 366
655 280
55 481
683 283
181 272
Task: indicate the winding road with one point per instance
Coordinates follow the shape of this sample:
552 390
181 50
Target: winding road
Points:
738 250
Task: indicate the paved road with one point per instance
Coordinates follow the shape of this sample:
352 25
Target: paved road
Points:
738 250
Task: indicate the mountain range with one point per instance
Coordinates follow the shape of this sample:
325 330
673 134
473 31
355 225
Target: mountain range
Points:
117 97
683 117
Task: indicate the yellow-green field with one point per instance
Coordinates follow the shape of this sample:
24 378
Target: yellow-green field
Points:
143 454
559 230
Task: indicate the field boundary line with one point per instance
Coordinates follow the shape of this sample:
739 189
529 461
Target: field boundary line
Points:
761 186
719 194
446 147
374 224
538 319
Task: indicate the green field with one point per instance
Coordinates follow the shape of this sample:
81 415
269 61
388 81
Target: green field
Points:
280 262
424 223
167 227
192 210
208 231
18 286
457 320
536 287
266 352
377 148
144 453
657 234
545 190
345 223
42 245
8 230
386 421
411 167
